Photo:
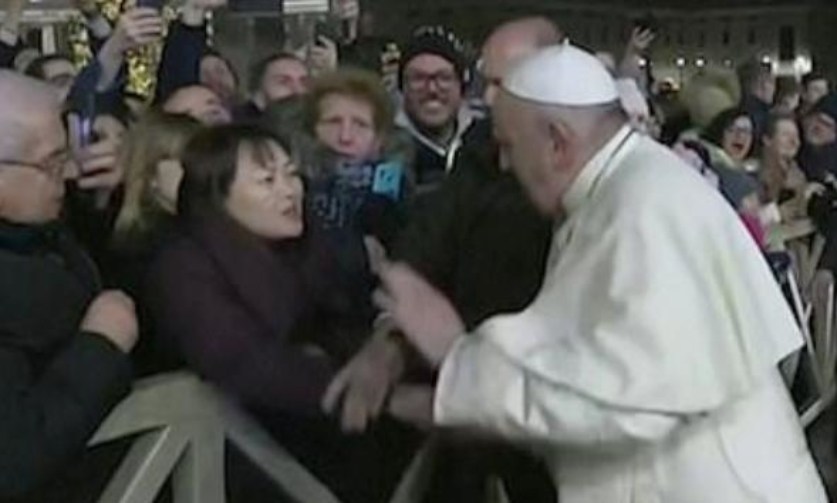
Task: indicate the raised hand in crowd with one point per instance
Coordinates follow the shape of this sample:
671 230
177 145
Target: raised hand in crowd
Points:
636 48
10 29
641 40
322 55
112 315
98 168
14 54
194 11
137 27
348 11
97 24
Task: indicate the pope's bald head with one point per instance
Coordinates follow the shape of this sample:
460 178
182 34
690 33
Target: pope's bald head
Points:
30 115
529 33
512 41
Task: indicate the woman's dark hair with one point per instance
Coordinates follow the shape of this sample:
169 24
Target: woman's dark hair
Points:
210 162
714 132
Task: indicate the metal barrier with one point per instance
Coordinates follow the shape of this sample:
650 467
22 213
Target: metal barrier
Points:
183 426
813 298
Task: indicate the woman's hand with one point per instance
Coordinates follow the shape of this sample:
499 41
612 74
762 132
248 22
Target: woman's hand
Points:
365 383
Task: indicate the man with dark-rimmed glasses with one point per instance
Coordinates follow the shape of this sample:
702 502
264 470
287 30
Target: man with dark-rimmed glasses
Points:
63 342
434 76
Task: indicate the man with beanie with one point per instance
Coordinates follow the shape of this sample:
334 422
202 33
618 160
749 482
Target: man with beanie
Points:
433 76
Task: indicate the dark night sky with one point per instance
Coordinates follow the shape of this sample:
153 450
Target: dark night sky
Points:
705 3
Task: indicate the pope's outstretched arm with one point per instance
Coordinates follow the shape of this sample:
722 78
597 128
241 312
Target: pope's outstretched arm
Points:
479 386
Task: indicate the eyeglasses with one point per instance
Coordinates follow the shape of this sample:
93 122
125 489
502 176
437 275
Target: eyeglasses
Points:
443 80
52 167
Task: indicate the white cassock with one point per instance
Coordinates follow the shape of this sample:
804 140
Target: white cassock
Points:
646 369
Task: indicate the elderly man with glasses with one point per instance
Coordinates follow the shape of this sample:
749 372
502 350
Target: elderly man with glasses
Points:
63 342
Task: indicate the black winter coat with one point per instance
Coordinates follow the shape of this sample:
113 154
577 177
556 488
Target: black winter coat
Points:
56 384
478 238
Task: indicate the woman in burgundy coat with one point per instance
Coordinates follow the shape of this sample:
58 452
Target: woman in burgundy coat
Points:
268 312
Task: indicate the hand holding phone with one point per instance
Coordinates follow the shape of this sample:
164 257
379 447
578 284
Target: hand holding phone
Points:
323 53
80 128
324 29
137 27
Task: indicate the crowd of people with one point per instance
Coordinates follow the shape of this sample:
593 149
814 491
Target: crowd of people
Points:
240 231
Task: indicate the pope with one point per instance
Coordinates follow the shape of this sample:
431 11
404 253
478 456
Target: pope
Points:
646 368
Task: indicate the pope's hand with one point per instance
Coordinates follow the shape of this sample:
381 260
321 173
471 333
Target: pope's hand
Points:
423 314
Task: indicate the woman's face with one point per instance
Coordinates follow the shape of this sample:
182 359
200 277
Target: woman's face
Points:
266 194
785 141
738 139
347 126
166 182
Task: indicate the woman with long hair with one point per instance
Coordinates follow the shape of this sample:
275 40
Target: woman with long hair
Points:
261 307
785 190
151 158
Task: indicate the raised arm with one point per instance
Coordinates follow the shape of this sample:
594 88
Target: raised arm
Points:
10 43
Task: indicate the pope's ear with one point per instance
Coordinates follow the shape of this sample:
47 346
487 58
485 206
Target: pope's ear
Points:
560 137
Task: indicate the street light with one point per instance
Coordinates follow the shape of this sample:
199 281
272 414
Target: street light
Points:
700 62
803 65
681 63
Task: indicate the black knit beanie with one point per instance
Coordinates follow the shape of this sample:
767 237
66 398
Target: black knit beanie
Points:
439 41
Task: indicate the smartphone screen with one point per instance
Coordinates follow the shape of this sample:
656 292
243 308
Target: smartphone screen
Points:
81 131
327 30
388 180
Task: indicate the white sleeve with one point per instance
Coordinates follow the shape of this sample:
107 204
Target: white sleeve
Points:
479 387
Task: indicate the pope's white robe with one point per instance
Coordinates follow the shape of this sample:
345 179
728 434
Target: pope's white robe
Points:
645 370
